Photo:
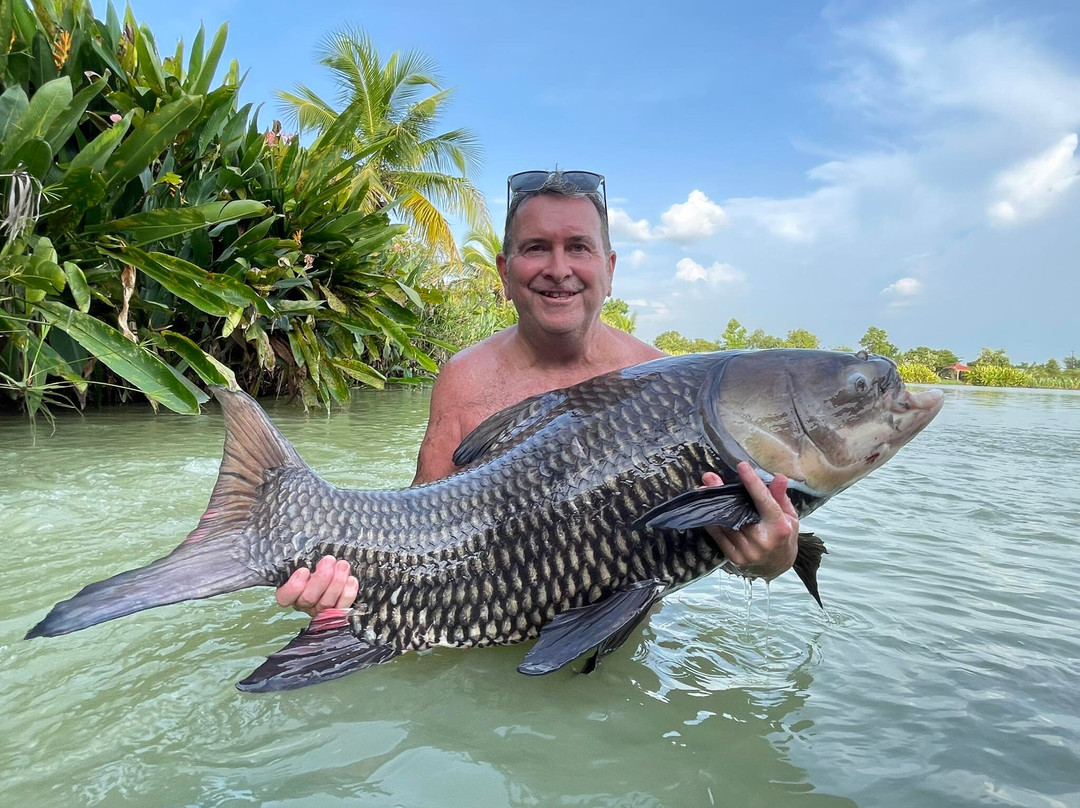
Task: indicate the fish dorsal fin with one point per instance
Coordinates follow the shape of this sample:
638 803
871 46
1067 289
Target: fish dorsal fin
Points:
603 625
506 427
253 446
509 427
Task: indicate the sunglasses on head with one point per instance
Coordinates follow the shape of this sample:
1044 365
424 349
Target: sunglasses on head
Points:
587 182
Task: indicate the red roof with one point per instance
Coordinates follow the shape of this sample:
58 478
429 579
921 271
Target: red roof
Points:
958 366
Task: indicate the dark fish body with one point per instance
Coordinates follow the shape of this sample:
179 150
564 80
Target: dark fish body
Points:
571 517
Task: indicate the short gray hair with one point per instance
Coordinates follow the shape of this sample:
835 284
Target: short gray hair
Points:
555 185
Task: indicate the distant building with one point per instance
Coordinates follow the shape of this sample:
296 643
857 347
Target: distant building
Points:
954 371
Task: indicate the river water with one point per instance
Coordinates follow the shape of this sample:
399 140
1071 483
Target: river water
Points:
944 671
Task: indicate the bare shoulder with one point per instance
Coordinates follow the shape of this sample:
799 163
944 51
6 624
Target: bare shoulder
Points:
629 350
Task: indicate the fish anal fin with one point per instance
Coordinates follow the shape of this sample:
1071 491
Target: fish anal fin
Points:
327 649
726 505
807 561
603 625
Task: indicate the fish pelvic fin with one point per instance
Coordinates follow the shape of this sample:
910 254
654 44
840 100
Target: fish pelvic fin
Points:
327 649
604 625
215 556
807 561
727 505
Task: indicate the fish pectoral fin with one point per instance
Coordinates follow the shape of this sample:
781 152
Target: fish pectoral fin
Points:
603 625
807 561
325 650
725 505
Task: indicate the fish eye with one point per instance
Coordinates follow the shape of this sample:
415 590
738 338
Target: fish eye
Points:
858 383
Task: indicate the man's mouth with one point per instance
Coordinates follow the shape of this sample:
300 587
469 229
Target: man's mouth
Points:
556 295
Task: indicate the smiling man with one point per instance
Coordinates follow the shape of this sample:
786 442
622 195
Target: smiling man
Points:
557 267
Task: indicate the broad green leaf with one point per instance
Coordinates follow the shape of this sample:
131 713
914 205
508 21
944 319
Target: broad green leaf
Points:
47 103
66 122
77 284
149 64
189 287
129 361
262 345
97 152
156 133
210 64
232 321
13 104
210 370
361 372
35 155
333 381
163 223
309 349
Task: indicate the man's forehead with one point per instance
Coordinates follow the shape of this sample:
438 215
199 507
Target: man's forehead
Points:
548 214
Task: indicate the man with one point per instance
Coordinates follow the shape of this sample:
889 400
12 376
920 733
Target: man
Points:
556 266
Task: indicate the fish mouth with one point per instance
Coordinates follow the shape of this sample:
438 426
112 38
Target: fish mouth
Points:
928 402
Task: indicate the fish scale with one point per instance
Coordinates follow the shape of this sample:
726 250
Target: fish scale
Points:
574 511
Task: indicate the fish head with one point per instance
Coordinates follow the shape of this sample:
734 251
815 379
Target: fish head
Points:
824 419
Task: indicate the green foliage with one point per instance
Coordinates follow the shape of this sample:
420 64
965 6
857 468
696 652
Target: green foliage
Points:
801 338
915 373
1072 362
616 313
993 358
674 343
759 339
156 236
876 341
936 359
390 119
991 375
735 336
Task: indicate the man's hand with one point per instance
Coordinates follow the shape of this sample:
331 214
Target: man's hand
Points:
768 548
332 585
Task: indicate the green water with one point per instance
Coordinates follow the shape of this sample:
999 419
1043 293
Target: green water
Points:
945 671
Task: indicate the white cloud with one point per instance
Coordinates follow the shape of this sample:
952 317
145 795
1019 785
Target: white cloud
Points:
683 223
689 270
1031 188
692 220
905 287
624 228
636 258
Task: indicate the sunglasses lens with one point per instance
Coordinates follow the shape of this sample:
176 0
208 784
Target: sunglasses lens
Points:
528 181
584 181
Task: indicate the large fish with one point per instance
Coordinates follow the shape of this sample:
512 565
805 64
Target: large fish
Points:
576 510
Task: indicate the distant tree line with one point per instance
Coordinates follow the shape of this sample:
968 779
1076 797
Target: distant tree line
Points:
922 364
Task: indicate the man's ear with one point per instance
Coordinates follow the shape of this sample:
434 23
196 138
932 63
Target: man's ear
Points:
611 271
501 265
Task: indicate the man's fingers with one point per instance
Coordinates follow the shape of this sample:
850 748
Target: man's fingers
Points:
764 501
710 479
778 488
289 591
348 594
334 590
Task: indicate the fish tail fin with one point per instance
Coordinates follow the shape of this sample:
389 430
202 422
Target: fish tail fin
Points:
215 557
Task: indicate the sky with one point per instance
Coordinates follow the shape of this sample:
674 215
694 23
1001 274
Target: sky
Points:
820 165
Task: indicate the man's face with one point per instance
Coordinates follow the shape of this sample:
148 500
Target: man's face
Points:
559 273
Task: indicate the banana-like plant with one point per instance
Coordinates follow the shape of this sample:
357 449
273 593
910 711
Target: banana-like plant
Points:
152 236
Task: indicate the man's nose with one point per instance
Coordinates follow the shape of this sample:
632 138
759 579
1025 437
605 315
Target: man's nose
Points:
559 269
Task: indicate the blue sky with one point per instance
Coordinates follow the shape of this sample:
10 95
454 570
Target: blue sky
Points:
819 165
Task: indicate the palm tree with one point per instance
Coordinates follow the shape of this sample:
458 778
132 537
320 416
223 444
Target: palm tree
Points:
421 174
